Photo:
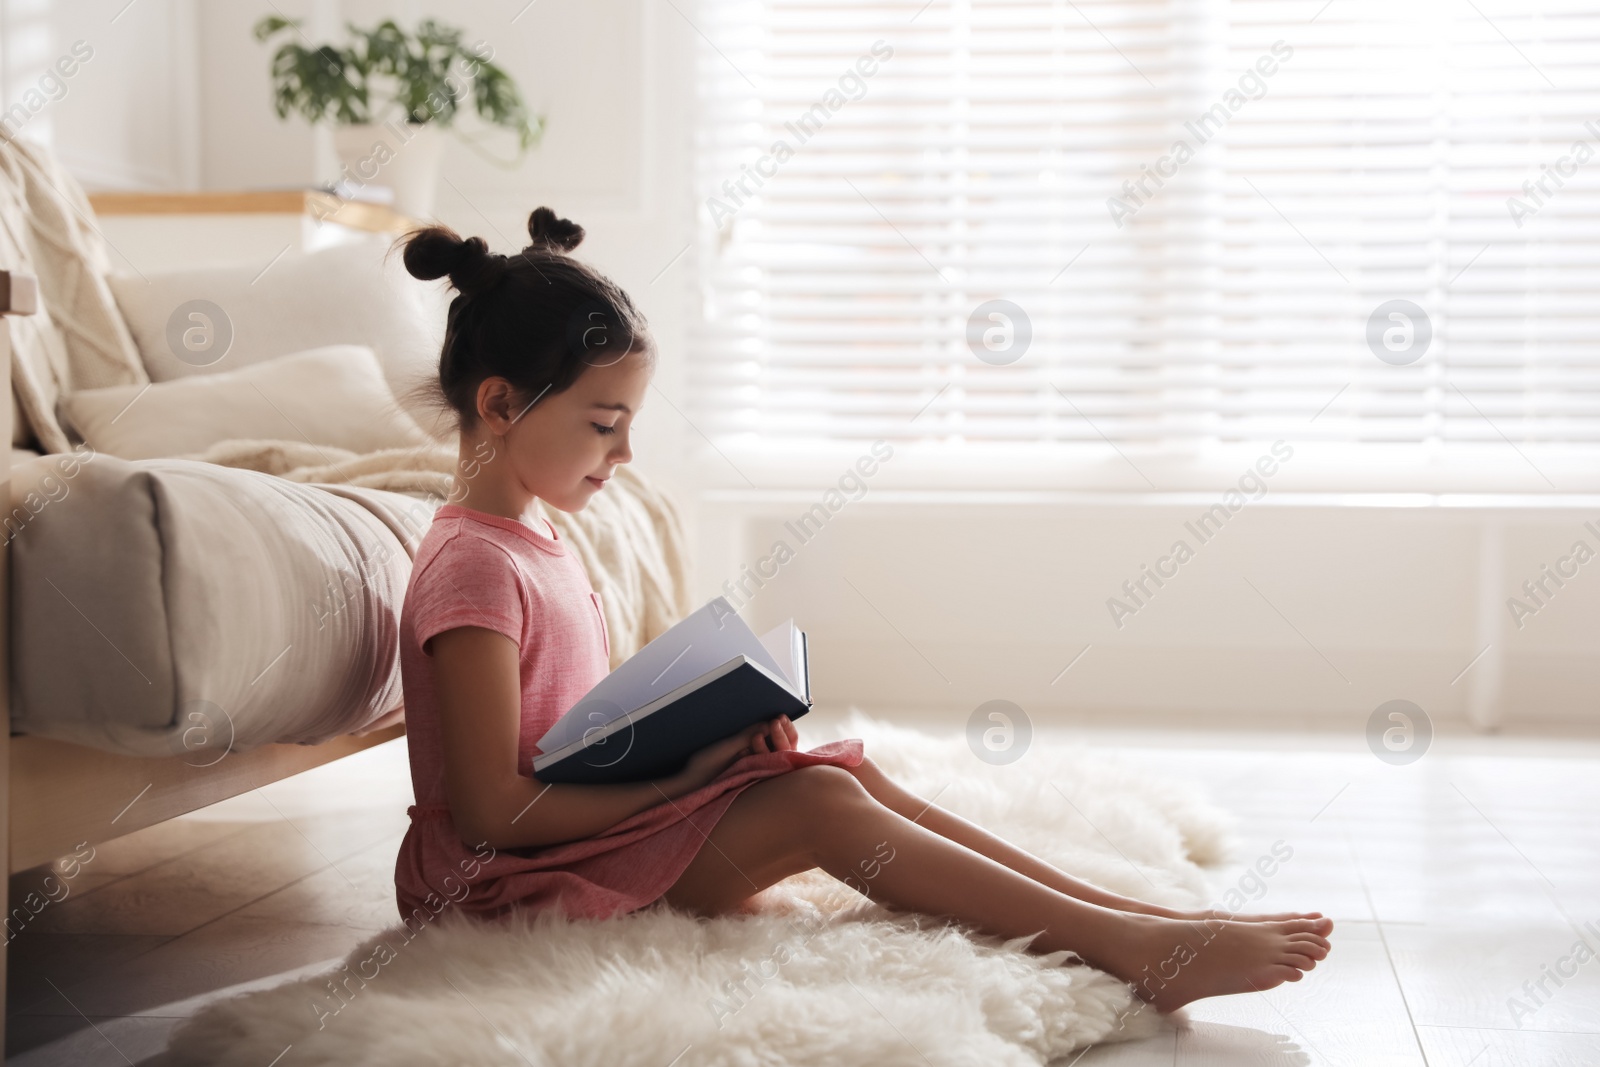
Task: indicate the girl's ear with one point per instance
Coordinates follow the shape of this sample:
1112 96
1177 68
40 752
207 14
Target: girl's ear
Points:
495 404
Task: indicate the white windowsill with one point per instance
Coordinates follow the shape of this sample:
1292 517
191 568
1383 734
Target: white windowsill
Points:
1480 475
1073 498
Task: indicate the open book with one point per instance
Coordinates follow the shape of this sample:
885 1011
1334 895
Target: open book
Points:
705 679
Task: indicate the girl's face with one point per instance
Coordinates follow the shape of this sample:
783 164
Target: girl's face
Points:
564 447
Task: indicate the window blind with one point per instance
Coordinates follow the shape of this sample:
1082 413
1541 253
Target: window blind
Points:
1358 224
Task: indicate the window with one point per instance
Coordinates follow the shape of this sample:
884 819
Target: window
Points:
1150 235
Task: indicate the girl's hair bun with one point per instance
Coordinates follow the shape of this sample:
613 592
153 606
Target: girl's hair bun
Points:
437 251
552 232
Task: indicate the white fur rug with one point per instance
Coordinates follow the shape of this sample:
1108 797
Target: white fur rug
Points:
818 976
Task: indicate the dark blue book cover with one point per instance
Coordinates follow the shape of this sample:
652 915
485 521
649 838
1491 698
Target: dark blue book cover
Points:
658 738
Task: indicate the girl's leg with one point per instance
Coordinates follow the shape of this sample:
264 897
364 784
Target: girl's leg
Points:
823 817
898 799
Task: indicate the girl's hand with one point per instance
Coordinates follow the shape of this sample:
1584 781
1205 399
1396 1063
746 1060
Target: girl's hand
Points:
780 736
718 756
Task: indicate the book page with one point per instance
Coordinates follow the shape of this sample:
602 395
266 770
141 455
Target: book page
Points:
701 641
782 641
802 667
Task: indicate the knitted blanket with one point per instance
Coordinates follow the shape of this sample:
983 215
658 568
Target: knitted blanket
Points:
77 339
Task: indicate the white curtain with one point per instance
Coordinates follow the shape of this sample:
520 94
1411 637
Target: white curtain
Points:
1151 233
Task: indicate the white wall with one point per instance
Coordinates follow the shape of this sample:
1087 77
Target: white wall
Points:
1295 612
127 115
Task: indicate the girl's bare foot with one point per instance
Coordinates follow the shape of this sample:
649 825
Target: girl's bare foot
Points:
1324 926
1175 962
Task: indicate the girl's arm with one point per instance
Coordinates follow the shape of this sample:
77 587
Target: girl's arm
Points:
480 708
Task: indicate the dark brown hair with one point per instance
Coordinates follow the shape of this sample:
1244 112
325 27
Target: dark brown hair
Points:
538 318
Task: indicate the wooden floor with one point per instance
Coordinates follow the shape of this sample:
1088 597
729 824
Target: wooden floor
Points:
1454 880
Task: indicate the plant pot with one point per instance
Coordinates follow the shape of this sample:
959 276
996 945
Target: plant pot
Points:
401 155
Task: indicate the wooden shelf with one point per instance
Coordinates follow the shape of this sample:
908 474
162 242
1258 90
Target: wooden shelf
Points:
313 203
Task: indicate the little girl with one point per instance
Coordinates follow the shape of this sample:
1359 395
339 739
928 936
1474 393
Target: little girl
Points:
546 364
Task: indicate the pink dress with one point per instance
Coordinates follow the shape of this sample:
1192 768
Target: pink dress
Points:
477 569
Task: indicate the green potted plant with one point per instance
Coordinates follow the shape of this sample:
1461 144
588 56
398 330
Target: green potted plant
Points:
389 93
